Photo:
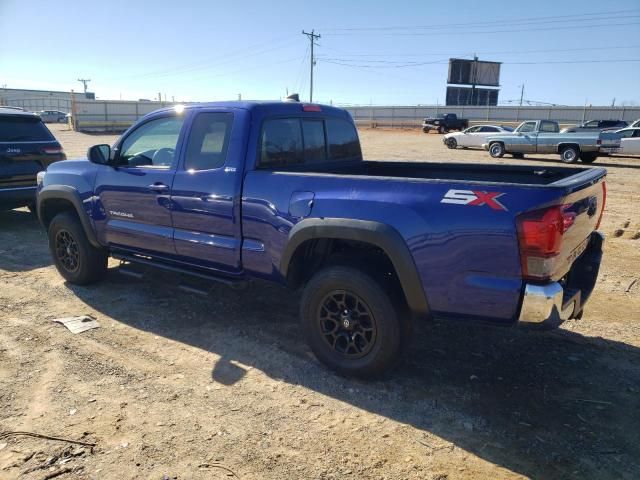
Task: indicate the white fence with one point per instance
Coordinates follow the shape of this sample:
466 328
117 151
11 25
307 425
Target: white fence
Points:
406 117
115 115
111 115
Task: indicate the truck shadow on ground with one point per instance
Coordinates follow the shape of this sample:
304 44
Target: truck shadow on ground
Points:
542 404
20 232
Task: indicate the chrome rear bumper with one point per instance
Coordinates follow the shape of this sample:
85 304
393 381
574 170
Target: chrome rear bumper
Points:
552 303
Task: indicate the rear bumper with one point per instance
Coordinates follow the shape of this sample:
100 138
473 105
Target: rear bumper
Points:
552 303
17 197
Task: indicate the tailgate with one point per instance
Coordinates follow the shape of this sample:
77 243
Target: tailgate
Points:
552 238
583 210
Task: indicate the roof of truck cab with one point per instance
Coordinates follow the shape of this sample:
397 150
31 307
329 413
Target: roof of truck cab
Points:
262 106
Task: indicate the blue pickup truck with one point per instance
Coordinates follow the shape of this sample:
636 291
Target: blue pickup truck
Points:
280 191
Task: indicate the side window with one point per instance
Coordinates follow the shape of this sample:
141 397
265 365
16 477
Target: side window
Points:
343 139
315 147
152 144
472 130
527 127
626 133
208 141
636 133
592 124
281 142
548 127
488 129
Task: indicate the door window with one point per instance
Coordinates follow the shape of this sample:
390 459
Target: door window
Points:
208 141
488 129
527 127
472 130
153 144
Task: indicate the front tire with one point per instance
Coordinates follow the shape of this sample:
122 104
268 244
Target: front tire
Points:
350 322
452 143
441 130
496 150
569 154
76 259
426 129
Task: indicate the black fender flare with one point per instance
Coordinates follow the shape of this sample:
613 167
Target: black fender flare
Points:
378 234
71 195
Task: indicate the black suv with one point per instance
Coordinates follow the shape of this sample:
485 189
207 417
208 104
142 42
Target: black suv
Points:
26 147
596 126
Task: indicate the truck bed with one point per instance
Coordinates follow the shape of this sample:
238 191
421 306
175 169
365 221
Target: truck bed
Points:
459 172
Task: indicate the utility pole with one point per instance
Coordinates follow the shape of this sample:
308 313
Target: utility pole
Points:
312 38
521 93
84 82
474 80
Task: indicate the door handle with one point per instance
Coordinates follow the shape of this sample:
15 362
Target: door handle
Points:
158 187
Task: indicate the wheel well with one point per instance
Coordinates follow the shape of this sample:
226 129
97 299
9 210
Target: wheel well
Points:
50 208
562 146
314 254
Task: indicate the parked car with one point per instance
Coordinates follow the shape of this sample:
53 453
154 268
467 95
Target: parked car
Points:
630 141
472 136
230 191
541 136
596 126
26 147
53 116
444 122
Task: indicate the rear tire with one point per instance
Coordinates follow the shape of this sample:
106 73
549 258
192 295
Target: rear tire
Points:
351 322
76 259
452 143
569 154
589 157
496 150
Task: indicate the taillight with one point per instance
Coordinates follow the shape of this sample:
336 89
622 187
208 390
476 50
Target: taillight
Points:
53 150
604 202
540 235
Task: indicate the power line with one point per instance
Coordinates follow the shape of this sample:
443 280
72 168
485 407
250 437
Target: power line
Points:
502 52
480 32
511 21
343 62
312 39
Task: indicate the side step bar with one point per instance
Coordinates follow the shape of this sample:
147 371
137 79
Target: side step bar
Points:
148 262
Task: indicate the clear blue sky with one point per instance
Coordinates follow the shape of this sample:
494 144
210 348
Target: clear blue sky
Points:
385 52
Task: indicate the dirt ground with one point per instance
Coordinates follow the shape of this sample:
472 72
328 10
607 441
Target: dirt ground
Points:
174 385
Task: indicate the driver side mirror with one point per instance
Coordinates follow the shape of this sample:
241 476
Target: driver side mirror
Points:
100 154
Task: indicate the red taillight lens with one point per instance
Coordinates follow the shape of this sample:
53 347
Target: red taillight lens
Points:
52 150
604 202
540 238
311 108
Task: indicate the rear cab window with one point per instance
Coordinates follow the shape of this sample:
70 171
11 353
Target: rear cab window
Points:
15 128
307 140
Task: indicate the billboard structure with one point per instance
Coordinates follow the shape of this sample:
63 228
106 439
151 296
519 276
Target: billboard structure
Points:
458 96
474 73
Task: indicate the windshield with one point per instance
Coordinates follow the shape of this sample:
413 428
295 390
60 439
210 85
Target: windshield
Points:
16 129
